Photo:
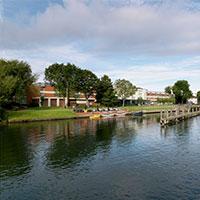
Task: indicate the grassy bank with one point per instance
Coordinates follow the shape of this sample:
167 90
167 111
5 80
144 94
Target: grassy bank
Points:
36 114
149 108
40 114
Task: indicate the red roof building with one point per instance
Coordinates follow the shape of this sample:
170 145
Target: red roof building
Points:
154 96
51 98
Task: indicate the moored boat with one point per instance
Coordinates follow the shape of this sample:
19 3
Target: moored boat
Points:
95 116
120 114
140 113
107 115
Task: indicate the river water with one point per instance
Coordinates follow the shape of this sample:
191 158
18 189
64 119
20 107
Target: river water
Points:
110 159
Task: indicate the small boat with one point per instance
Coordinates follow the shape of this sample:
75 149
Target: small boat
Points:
107 115
140 113
120 114
95 116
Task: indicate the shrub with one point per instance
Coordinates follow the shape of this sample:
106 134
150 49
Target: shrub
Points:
3 114
33 104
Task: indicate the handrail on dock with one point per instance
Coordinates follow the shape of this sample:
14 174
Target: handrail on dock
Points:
178 114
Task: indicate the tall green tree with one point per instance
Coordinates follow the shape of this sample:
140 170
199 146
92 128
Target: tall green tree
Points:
7 88
15 79
198 97
105 92
86 82
168 90
182 92
124 89
62 77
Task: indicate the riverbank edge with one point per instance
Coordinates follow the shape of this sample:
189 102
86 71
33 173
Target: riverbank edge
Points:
46 119
74 117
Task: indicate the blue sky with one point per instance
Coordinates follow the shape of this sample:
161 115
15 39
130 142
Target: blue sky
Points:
152 43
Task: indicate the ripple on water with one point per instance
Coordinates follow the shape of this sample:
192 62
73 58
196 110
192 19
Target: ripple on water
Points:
125 158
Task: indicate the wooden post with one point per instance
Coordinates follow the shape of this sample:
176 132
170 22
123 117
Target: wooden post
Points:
167 116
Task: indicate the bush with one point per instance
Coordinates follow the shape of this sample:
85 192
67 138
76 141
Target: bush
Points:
166 100
33 104
3 114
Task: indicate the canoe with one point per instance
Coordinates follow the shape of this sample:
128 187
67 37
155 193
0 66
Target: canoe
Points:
120 114
96 116
107 115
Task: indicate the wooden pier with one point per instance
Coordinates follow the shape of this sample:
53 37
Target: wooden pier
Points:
178 114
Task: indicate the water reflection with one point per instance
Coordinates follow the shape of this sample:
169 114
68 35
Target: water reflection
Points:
179 129
81 159
79 139
14 153
68 141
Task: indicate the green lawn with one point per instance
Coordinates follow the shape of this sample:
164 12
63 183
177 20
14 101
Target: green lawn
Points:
150 107
40 113
56 113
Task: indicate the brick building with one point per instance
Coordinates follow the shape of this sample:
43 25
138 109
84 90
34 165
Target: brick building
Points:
154 96
52 98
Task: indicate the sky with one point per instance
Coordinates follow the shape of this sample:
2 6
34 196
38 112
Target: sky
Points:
152 43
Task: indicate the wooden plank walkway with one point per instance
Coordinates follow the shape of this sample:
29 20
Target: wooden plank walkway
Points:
168 117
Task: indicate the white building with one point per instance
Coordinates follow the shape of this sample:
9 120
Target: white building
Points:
193 100
140 93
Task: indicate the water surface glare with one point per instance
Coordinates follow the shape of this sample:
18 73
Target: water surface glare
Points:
110 159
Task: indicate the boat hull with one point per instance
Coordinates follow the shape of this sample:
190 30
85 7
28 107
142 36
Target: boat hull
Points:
138 113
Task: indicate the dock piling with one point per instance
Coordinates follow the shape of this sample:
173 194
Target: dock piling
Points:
181 113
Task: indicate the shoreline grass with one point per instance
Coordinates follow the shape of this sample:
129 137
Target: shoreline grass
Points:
149 108
40 114
45 113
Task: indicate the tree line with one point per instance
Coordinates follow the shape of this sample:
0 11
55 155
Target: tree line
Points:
69 79
181 92
16 77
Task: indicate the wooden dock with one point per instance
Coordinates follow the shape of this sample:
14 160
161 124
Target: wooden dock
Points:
180 113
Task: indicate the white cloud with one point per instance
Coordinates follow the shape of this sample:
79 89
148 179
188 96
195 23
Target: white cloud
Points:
41 57
158 76
135 28
95 35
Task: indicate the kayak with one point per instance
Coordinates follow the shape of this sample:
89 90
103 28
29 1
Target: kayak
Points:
120 114
96 116
107 115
